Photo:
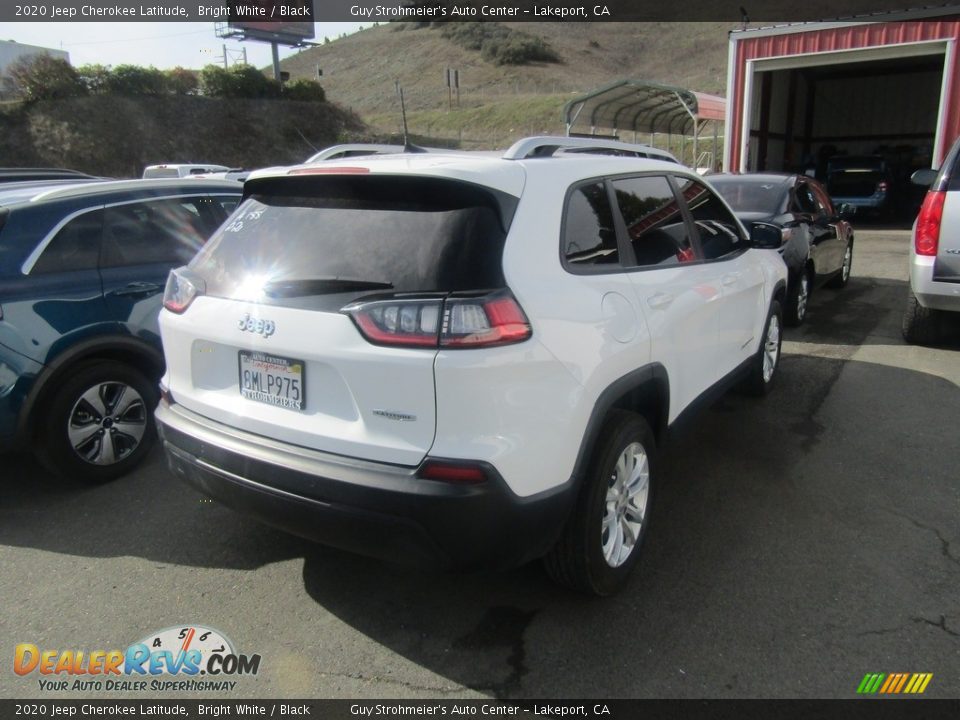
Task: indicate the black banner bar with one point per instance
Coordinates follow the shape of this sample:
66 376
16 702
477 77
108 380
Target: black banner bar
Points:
288 11
875 708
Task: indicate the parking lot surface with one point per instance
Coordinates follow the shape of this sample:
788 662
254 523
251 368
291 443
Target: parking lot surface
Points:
797 543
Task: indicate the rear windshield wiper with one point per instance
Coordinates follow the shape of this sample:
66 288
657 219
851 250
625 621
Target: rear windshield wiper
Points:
321 286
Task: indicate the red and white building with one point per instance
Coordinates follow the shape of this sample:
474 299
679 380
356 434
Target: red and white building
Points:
887 83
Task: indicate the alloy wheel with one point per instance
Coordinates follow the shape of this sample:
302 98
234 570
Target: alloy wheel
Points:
625 507
107 423
771 348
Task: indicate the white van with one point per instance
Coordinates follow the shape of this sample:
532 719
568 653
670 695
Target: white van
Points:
181 171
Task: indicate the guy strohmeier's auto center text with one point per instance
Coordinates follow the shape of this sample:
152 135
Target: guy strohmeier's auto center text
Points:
458 12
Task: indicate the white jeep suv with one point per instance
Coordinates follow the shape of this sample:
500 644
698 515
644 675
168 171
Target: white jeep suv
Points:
468 361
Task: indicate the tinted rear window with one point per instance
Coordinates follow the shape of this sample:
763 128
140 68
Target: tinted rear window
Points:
415 234
751 196
161 173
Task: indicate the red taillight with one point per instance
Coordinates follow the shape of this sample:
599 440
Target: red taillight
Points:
463 473
927 235
454 322
411 323
482 322
181 290
882 186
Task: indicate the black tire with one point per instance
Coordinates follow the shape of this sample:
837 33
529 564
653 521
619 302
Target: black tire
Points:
757 382
841 279
798 298
577 560
921 325
104 446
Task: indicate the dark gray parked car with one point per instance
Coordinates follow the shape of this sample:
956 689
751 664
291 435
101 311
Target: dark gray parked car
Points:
819 239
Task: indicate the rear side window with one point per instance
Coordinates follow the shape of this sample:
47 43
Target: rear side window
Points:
654 222
158 231
75 247
403 234
589 235
717 229
805 200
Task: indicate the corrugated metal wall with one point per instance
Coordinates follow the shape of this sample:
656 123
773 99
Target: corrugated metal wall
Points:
832 39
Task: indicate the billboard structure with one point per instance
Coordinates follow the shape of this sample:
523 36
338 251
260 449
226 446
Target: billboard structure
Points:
267 21
282 33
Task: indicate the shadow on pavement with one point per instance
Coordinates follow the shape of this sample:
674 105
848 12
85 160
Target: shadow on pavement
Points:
146 514
853 315
770 555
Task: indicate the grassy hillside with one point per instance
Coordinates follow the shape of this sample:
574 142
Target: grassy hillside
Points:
118 136
499 103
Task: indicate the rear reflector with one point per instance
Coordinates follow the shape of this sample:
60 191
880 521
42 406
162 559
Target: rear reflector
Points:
927 235
436 322
451 472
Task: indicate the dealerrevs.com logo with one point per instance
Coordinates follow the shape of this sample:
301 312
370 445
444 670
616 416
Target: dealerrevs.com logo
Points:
180 658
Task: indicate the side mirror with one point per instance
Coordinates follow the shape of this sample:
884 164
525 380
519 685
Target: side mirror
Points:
766 236
924 177
846 211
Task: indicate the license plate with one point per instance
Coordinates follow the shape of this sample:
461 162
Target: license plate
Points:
272 380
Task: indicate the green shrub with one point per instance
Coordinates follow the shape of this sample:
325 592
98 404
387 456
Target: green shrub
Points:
136 80
95 78
215 81
41 77
499 44
305 90
518 49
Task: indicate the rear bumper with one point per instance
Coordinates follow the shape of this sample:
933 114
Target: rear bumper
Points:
17 377
934 294
374 509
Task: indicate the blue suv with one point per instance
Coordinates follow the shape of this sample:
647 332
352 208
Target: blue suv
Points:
82 272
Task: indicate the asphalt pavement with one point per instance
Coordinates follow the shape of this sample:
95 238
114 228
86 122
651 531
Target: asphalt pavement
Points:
798 542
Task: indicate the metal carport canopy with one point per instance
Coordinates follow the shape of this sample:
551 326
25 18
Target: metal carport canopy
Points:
642 106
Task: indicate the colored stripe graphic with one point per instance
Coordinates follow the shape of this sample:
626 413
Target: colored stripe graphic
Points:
870 683
894 683
903 679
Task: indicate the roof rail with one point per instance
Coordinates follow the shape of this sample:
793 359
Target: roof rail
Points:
546 146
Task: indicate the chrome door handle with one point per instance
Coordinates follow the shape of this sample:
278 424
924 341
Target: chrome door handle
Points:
136 288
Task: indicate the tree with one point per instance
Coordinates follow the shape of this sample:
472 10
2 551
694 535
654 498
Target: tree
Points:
181 81
41 77
248 82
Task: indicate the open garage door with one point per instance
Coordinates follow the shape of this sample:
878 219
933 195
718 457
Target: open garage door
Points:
861 121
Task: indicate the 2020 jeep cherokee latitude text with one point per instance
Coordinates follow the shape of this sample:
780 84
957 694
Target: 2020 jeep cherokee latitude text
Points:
463 360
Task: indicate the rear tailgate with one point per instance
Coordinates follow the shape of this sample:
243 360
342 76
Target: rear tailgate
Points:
267 347
350 392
